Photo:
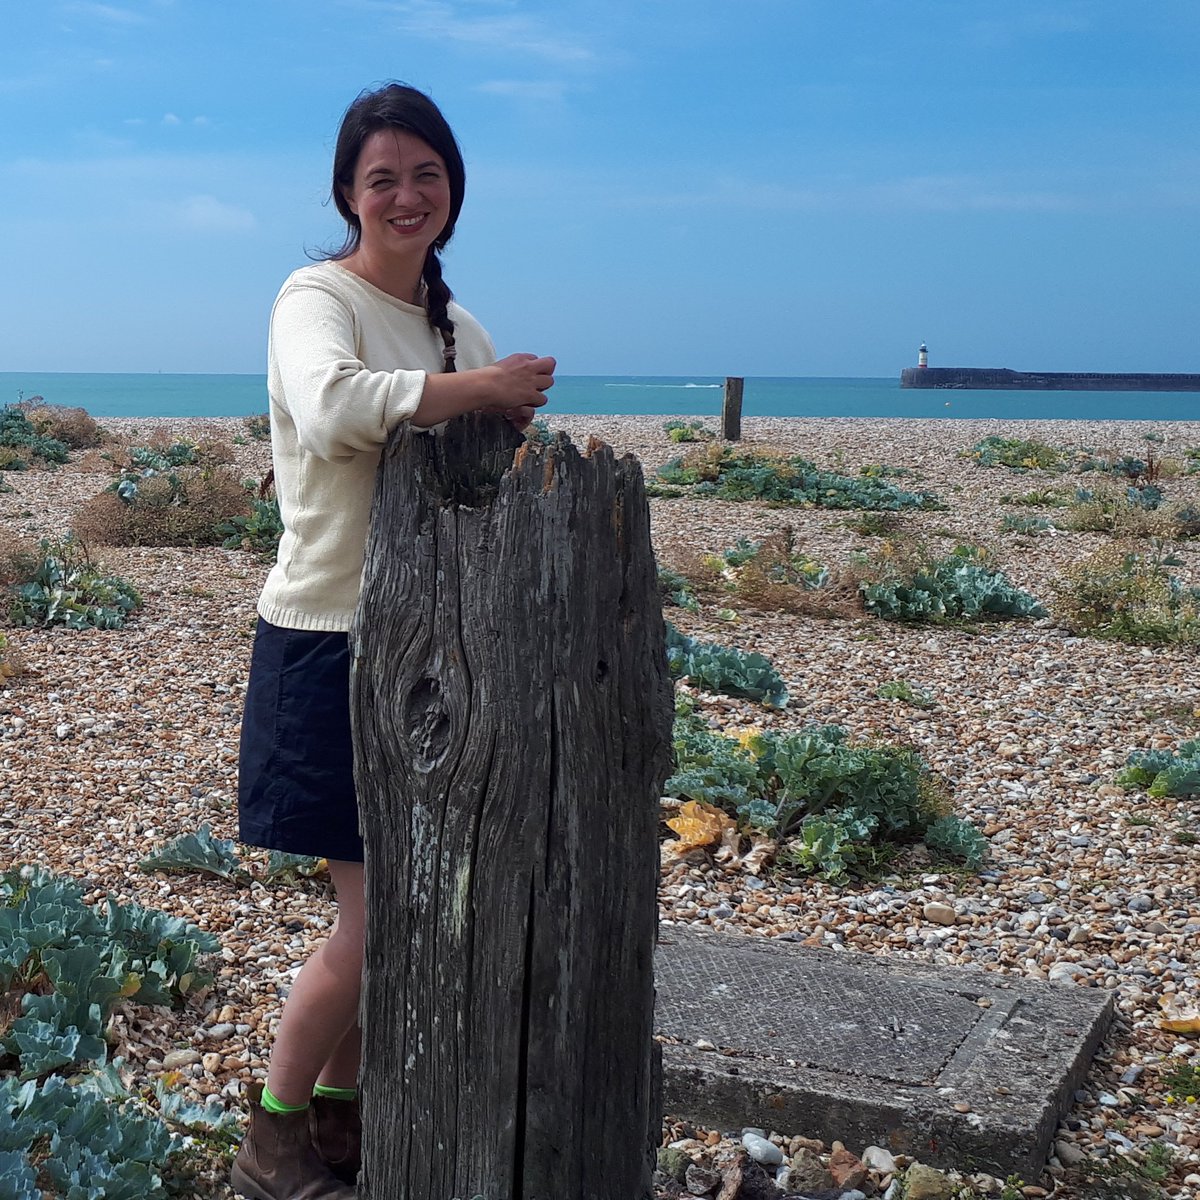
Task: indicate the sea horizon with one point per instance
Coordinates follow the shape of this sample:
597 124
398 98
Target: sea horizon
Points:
227 394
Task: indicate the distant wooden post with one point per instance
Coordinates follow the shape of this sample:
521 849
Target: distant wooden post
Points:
731 410
512 723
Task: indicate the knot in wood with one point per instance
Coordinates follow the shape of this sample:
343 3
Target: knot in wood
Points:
427 721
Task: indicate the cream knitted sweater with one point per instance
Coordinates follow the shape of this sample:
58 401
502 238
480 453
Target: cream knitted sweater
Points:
346 364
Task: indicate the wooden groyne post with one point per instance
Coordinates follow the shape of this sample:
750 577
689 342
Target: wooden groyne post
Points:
731 409
512 724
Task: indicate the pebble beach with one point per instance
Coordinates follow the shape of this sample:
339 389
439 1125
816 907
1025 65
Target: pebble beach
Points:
115 742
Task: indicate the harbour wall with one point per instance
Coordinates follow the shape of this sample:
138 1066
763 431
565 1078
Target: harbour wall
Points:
1000 378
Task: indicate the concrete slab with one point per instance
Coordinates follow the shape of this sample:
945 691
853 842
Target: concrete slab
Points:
954 1066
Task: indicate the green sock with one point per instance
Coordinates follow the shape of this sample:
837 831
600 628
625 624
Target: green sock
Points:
272 1105
331 1093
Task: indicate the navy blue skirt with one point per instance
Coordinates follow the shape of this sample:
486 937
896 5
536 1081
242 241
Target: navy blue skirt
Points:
296 769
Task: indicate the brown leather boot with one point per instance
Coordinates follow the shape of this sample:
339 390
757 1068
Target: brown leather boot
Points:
276 1160
336 1129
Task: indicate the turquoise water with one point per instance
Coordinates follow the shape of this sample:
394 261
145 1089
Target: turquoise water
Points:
160 395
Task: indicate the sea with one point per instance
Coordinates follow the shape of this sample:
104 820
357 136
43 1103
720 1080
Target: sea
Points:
166 395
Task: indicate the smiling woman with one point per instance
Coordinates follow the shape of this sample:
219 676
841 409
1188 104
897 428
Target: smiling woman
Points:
359 344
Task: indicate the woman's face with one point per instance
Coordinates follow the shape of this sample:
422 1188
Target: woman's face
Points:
400 194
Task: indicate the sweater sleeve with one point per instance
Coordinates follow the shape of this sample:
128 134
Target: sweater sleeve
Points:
339 407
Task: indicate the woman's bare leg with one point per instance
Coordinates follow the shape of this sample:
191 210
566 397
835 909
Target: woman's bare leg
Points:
341 1067
318 1032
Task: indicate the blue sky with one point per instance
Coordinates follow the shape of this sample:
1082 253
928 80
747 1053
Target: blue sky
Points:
693 187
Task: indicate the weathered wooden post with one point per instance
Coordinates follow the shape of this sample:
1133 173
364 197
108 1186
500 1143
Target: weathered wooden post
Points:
731 409
512 722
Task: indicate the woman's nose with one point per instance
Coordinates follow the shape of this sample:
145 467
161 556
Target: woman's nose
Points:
407 192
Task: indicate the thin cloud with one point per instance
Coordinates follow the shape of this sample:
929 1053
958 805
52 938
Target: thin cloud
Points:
207 214
1005 32
104 12
506 32
949 193
171 119
547 92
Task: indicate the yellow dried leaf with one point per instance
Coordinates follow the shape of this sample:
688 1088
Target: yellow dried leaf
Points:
1187 1025
1179 1017
698 824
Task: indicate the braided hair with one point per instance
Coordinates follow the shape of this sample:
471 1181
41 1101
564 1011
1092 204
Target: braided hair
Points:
398 106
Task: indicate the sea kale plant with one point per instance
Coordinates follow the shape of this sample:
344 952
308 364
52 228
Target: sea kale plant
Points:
826 799
1164 772
736 473
961 586
60 585
714 668
23 446
259 530
676 590
68 1125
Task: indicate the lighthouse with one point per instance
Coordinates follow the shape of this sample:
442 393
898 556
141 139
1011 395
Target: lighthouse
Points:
923 356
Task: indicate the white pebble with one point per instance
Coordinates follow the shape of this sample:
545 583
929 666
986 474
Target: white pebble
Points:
763 1152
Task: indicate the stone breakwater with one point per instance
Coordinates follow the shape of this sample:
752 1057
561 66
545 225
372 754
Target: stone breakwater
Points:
114 742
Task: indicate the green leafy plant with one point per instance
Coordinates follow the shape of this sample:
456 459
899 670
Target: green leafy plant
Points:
258 427
26 445
959 586
66 1119
730 473
1018 454
677 590
775 575
80 1140
1163 772
1039 498
873 524
901 689
290 867
956 838
198 851
1132 512
1182 1080
717 668
1144 470
688 431
1127 594
60 585
1028 526
258 531
824 847
828 800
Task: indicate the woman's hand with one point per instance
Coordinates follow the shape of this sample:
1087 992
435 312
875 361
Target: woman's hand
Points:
515 384
521 381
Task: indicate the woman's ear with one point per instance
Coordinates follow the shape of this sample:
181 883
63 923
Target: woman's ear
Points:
348 197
